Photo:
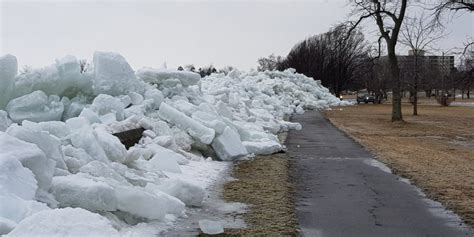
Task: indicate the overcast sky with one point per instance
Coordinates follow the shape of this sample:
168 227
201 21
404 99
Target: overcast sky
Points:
148 33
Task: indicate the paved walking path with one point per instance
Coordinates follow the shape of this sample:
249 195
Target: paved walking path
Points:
342 191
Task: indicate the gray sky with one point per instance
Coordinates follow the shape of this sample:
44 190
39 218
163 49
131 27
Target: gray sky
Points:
148 33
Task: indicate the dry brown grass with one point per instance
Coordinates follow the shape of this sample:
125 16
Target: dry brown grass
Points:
264 184
435 150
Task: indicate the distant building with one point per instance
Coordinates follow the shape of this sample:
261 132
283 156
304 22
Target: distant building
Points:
444 64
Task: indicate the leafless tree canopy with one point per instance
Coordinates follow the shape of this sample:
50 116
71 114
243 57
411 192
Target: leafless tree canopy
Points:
452 5
330 57
419 34
269 63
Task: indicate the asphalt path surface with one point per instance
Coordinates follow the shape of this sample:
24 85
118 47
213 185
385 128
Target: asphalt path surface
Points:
341 190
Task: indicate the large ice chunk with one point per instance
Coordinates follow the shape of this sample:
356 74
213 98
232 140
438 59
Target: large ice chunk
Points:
101 169
194 128
50 145
165 163
166 159
158 76
64 222
85 138
173 205
113 75
8 70
228 145
16 179
104 104
140 203
189 193
36 107
80 191
111 145
56 128
210 120
30 157
211 227
264 147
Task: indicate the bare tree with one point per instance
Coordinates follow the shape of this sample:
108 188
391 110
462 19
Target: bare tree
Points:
467 45
84 65
269 63
207 70
418 34
453 7
388 15
331 57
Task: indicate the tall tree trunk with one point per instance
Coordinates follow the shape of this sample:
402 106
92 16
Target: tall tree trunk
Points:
415 100
395 76
415 86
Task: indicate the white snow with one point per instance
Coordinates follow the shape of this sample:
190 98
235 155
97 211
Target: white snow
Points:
58 148
16 209
65 222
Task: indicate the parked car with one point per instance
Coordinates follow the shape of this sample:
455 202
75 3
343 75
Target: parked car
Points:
366 98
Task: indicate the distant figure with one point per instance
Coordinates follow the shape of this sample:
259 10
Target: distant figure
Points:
180 68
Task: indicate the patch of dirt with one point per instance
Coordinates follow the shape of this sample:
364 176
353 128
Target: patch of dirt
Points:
433 149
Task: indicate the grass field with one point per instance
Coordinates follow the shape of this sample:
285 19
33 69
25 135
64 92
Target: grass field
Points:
435 150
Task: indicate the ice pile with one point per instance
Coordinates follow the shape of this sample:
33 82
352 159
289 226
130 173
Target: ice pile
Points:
61 165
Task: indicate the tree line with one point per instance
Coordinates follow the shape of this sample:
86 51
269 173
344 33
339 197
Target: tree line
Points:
342 59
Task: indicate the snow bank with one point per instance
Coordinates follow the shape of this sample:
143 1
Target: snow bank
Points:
159 76
58 148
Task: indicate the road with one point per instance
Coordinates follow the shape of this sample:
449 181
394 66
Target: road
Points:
342 191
